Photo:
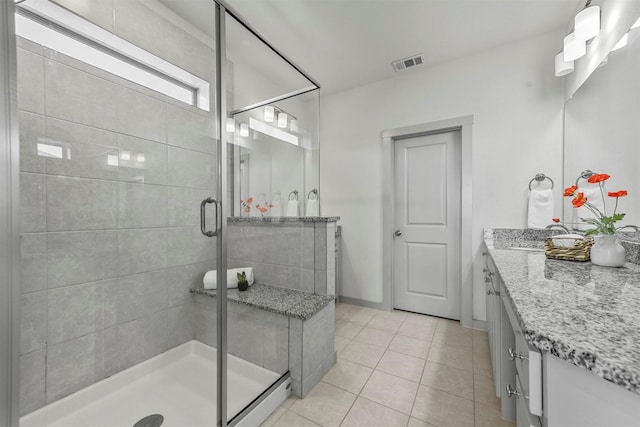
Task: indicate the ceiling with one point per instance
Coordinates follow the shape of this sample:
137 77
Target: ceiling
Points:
347 43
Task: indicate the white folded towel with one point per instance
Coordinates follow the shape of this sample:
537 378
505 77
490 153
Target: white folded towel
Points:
293 208
566 240
210 280
594 196
540 210
312 208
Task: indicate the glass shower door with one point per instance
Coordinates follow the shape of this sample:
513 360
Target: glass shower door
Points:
118 149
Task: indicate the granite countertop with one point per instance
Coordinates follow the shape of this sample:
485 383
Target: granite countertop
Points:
283 219
298 304
585 314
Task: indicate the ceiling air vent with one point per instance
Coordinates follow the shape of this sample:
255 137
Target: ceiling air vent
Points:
412 61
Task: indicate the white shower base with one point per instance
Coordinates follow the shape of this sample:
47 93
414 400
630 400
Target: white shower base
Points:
179 384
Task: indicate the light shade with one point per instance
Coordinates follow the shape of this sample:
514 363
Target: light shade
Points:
269 113
573 48
244 129
231 125
563 67
587 23
293 125
622 42
282 120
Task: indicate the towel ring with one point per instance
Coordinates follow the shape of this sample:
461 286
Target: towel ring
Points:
295 195
540 177
314 191
585 174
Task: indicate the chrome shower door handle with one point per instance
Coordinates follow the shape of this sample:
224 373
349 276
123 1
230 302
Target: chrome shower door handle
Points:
203 215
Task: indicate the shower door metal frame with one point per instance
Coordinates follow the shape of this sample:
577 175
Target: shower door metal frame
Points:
9 223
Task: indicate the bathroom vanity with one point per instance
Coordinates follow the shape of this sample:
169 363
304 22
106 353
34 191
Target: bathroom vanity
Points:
564 336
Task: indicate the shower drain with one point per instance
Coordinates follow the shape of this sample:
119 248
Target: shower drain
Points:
154 420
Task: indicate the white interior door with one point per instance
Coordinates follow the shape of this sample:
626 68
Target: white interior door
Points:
426 246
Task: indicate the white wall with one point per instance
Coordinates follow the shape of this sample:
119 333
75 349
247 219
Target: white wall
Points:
517 104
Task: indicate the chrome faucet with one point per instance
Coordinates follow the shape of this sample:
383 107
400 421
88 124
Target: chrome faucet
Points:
560 226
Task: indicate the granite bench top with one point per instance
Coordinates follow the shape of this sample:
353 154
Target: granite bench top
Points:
583 313
288 302
279 219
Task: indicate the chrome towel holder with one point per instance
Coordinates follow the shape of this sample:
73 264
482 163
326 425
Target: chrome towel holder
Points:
585 174
539 178
314 191
295 195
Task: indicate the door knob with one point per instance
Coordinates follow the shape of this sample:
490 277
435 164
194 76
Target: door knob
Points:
397 233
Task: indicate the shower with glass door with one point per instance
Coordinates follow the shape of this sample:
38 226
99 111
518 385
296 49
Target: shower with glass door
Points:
124 126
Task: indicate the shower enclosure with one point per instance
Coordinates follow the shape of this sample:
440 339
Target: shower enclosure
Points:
127 128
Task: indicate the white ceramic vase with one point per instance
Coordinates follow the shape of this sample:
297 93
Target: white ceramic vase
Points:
607 251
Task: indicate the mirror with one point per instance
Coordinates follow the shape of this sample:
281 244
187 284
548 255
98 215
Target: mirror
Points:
602 130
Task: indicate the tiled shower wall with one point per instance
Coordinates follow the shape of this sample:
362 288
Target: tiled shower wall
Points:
108 253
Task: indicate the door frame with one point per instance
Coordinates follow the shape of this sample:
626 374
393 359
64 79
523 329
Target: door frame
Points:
464 125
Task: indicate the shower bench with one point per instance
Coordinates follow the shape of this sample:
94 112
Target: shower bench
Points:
276 328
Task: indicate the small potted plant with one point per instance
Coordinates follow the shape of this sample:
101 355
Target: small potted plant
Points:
243 284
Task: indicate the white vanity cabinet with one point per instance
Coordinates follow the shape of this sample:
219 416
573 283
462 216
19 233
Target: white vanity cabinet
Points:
494 317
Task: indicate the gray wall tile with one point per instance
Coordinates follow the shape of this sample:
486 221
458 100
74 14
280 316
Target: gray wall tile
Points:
32 203
73 365
295 348
181 279
80 257
320 249
88 148
245 333
100 13
81 204
153 335
33 321
142 205
154 168
32 381
190 53
31 81
205 320
276 343
180 325
191 169
184 205
137 24
79 97
141 250
187 245
140 115
74 311
31 131
33 262
191 130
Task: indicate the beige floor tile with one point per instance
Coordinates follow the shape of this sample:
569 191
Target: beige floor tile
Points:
481 344
401 365
423 332
411 346
347 329
348 376
291 419
374 337
325 404
340 343
482 364
446 378
442 409
486 416
414 422
365 413
360 315
386 322
463 341
484 391
269 422
421 319
342 309
454 327
364 354
390 391
290 401
450 356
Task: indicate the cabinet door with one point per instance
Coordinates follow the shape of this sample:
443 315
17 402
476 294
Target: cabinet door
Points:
508 367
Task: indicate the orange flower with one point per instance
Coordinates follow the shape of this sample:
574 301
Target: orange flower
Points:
250 199
555 219
619 193
598 177
570 190
263 210
270 205
579 200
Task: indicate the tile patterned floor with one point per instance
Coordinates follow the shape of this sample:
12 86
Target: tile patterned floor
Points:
399 369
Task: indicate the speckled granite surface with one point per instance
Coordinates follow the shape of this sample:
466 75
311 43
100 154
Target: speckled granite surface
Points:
298 304
283 219
586 314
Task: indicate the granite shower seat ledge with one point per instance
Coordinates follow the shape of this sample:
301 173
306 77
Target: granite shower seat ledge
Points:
291 303
579 312
278 219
